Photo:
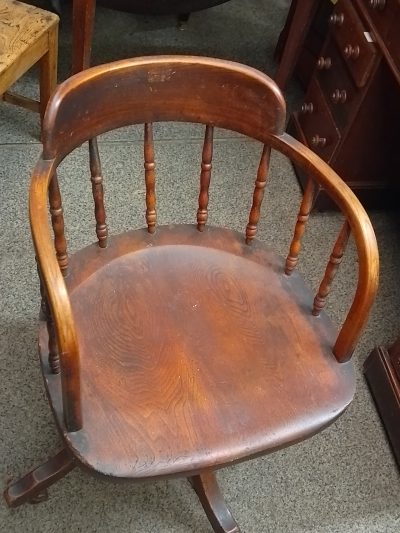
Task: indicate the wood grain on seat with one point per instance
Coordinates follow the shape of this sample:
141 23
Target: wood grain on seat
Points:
197 351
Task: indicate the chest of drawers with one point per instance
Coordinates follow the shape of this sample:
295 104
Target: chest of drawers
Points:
351 109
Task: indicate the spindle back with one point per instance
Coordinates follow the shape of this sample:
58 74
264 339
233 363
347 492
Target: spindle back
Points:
187 89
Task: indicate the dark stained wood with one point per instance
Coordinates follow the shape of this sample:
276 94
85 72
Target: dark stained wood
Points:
363 43
331 269
82 33
383 377
218 513
98 193
182 351
57 221
161 7
205 176
84 15
150 178
258 195
302 218
32 485
292 37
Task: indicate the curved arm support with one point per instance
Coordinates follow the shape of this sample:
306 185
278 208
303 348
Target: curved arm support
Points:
364 236
57 293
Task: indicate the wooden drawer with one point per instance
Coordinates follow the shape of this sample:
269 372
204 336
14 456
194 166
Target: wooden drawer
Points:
317 124
341 95
383 14
354 41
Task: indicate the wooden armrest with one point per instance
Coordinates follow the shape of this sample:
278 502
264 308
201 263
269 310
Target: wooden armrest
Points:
364 236
56 292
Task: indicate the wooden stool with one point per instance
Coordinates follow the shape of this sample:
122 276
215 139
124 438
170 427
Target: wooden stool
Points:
28 35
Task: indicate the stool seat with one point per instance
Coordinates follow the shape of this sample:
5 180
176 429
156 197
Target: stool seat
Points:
195 337
27 35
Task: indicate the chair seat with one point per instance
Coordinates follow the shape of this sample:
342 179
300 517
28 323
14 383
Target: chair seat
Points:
196 351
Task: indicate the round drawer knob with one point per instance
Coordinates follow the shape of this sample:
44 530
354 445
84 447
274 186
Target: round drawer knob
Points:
377 4
318 141
307 107
324 63
336 19
351 52
339 96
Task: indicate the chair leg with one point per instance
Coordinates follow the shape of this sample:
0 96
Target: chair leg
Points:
32 487
83 12
214 505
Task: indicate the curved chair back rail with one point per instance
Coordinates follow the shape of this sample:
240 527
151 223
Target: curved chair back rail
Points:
189 89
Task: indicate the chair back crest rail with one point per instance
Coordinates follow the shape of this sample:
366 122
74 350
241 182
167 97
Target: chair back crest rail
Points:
215 93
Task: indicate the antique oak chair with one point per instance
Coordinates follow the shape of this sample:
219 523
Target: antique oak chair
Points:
176 350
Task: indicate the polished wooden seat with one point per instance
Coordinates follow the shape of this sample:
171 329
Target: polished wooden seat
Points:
175 350
172 379
28 35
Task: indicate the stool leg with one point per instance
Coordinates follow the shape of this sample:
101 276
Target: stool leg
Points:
48 70
209 494
32 487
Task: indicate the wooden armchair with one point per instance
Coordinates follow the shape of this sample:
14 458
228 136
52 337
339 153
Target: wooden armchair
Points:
176 350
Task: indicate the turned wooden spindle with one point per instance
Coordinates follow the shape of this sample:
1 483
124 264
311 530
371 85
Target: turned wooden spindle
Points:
304 213
57 221
258 194
331 269
205 176
45 314
150 179
98 193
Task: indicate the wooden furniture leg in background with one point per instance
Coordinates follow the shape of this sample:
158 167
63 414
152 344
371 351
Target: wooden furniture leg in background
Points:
82 33
382 371
292 38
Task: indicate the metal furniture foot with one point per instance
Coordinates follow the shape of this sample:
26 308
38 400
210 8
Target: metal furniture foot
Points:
32 487
214 505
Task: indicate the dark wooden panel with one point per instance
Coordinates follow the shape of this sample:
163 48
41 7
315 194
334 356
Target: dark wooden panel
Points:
342 96
383 13
317 124
385 387
358 52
